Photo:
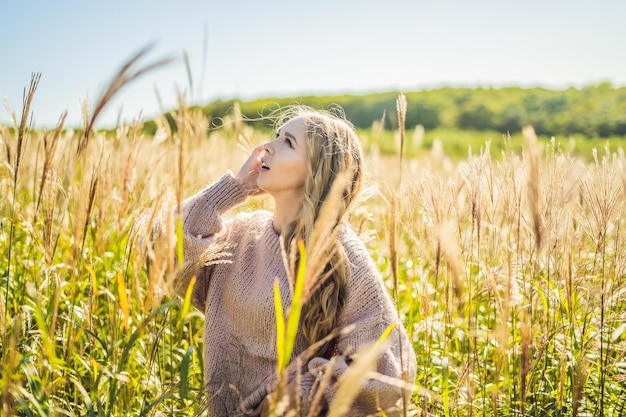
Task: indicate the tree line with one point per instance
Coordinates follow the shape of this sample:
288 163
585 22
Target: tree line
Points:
595 110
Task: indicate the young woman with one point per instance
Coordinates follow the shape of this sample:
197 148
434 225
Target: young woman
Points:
349 310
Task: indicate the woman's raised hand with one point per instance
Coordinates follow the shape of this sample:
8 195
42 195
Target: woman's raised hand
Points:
249 172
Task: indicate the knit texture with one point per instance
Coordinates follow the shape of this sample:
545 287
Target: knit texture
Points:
237 299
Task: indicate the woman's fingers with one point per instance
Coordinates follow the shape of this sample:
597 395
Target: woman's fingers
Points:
249 172
263 409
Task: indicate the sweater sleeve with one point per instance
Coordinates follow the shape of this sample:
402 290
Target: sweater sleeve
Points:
202 222
370 309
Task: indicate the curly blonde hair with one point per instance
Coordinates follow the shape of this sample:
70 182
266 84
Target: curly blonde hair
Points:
333 149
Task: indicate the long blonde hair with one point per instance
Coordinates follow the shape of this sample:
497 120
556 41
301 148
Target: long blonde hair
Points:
333 150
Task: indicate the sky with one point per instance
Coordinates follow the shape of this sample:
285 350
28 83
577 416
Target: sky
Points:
256 49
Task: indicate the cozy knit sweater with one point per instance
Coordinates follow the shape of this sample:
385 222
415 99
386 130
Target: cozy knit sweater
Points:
237 299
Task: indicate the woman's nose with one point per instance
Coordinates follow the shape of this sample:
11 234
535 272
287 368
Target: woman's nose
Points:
267 147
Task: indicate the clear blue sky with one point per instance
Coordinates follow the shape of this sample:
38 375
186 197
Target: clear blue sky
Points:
288 48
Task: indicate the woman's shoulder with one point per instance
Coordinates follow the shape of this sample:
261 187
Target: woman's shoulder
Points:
252 216
352 243
361 263
251 224
250 220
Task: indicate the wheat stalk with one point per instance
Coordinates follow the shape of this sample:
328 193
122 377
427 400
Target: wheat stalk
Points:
22 138
323 237
532 150
124 76
50 147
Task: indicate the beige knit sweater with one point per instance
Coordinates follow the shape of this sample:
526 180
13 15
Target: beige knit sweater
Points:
240 321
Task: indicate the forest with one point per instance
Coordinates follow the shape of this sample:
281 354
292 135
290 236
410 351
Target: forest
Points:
595 111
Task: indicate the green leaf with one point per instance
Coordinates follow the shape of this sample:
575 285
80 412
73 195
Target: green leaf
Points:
280 328
187 301
184 372
296 306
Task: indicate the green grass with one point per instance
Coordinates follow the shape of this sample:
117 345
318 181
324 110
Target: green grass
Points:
456 143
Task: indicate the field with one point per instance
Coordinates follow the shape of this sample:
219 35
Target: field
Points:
510 260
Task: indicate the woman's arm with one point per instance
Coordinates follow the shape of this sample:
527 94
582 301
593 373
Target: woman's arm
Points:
368 311
203 222
202 225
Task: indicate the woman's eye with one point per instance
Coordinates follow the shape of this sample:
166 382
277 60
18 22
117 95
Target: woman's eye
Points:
288 141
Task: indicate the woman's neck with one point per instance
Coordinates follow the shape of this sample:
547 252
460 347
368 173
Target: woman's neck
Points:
285 213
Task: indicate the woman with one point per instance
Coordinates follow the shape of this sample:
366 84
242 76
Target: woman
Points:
349 308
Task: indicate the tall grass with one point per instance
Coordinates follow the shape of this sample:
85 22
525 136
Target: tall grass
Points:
509 270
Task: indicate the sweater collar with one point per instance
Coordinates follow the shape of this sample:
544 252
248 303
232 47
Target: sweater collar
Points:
271 239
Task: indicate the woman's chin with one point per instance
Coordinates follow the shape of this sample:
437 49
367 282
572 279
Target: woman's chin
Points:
261 186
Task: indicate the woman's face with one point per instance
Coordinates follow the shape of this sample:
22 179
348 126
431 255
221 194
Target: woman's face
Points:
284 166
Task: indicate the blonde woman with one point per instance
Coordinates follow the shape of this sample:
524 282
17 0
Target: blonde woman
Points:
350 308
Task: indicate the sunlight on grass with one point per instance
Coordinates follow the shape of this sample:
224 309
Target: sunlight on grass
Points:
511 268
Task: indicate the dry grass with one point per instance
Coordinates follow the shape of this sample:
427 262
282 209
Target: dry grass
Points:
509 272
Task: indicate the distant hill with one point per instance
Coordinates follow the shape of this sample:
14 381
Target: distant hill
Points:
595 111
